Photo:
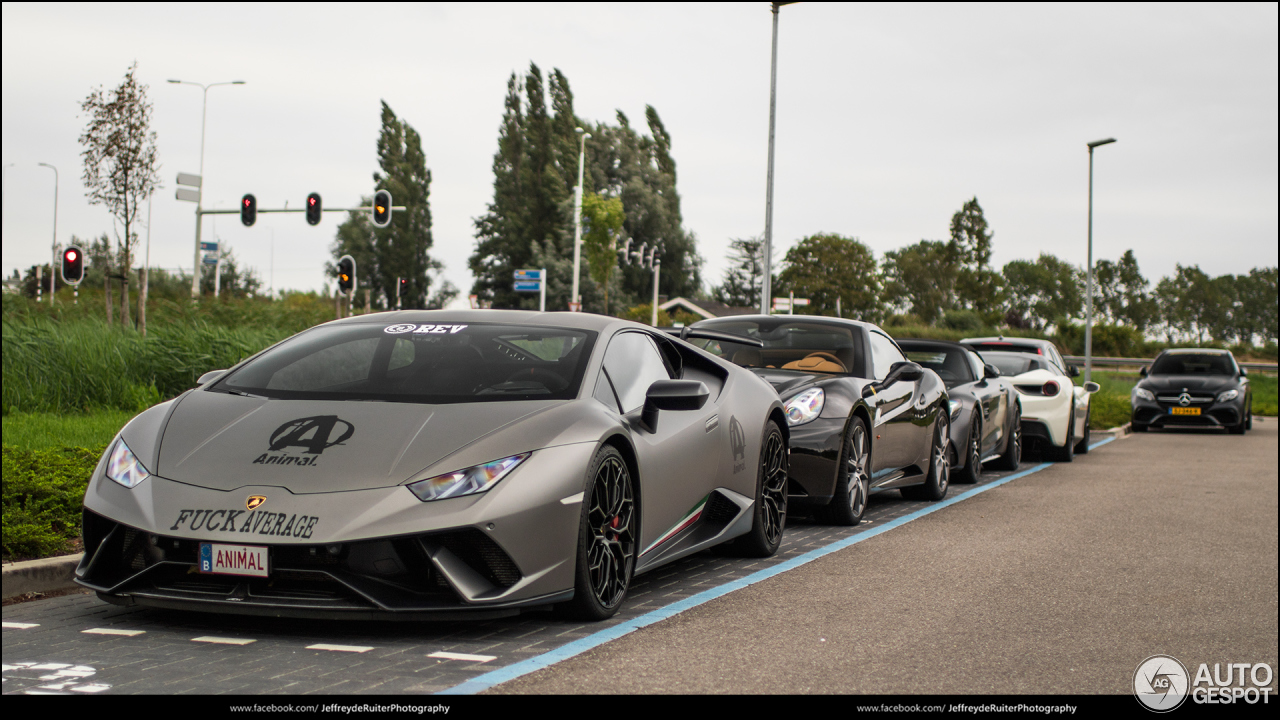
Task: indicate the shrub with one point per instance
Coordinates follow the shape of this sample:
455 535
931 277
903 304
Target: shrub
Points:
42 497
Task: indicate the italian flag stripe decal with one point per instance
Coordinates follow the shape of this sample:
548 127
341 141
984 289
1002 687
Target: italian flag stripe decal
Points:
690 518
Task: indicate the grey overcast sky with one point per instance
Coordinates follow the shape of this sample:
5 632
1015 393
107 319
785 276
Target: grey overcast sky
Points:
890 117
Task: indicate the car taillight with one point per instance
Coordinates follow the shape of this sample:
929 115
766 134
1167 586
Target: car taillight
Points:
1050 388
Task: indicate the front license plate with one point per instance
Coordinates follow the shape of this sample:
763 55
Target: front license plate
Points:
1184 411
219 559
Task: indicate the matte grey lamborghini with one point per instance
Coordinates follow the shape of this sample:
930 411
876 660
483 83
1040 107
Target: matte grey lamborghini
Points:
436 463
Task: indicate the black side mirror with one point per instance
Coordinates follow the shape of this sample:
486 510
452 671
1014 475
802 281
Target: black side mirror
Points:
672 395
904 370
990 371
1073 370
1243 372
1143 371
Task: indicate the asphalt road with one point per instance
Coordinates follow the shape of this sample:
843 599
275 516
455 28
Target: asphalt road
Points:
1059 582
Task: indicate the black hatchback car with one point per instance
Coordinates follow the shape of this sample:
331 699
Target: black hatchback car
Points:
1193 387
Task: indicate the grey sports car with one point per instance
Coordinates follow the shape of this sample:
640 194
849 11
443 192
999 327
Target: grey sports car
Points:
435 464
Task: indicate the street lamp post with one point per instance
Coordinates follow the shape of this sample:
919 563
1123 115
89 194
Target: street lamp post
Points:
766 285
577 220
1088 312
53 257
204 112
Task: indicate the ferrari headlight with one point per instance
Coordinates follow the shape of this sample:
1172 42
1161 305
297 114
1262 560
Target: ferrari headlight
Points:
1229 395
123 466
1143 394
805 407
955 408
466 482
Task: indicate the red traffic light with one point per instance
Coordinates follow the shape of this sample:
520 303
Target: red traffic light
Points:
248 210
313 209
72 255
73 265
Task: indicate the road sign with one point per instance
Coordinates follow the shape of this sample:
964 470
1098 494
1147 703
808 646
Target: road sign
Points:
528 286
575 306
189 179
209 246
210 259
528 275
188 194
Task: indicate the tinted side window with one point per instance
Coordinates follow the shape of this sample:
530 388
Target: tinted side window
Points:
633 364
883 355
979 369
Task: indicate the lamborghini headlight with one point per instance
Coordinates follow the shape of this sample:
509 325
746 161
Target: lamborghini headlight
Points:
1229 395
466 482
1143 394
804 407
123 466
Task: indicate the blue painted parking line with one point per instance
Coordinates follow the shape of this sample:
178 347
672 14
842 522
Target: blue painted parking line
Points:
564 652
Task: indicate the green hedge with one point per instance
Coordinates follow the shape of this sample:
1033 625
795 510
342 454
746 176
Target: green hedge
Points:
43 493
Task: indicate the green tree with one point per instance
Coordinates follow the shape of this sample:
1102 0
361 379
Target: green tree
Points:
529 223
602 220
120 166
1121 292
1046 292
744 277
1254 314
824 267
233 281
402 249
921 279
1192 304
977 284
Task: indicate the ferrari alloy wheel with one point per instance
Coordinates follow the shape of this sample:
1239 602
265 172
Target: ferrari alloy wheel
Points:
1082 447
606 540
972 471
936 482
853 488
770 511
1013 446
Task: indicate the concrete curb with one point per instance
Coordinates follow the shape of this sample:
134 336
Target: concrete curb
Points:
41 576
1121 430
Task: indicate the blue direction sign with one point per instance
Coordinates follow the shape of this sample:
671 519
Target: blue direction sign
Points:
209 246
529 285
210 259
528 275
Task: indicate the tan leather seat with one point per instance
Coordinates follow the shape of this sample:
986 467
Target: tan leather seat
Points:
815 363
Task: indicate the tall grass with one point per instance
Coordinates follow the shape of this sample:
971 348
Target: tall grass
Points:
85 365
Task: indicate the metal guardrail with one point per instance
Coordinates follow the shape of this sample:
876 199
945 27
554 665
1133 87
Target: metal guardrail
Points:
1269 368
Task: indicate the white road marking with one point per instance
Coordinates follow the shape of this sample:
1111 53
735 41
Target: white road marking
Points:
340 648
20 626
463 656
90 688
49 666
222 640
113 631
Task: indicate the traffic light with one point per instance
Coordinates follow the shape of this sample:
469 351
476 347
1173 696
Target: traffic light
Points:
382 208
72 265
248 209
313 209
346 273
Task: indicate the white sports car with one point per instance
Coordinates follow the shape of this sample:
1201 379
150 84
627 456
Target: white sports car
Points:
1055 412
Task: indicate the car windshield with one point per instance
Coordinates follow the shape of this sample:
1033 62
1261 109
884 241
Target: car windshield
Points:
951 365
419 363
788 344
1176 363
1014 363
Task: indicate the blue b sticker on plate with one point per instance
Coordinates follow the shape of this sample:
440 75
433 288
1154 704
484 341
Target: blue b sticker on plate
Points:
206 557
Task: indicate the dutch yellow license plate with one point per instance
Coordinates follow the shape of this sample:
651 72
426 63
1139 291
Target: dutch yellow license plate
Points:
1184 411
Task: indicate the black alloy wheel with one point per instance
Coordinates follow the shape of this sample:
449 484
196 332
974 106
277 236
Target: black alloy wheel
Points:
853 488
939 476
972 471
770 509
1013 444
606 555
1082 447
